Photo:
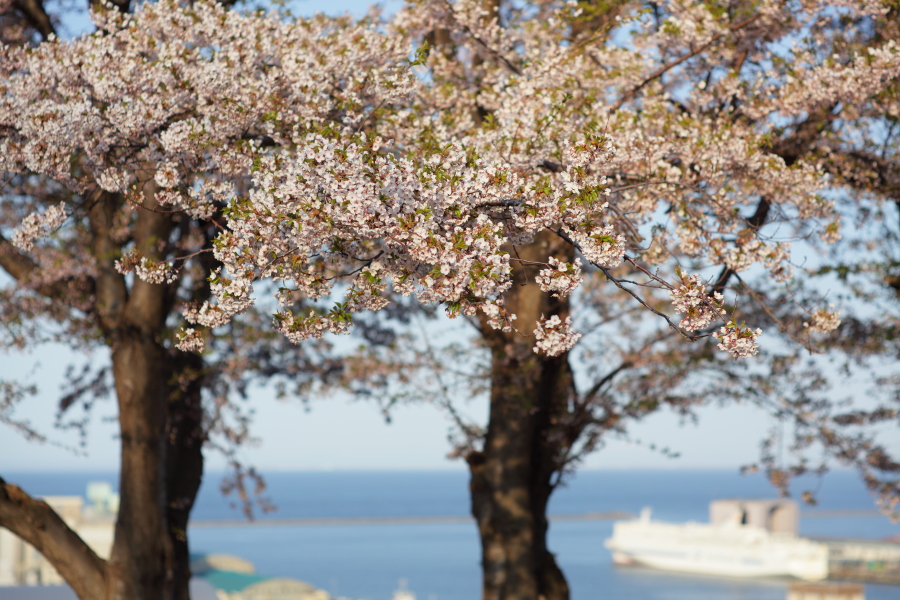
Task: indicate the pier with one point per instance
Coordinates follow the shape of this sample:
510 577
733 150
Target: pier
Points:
863 560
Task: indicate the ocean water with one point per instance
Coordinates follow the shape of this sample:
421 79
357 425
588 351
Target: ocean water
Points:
440 560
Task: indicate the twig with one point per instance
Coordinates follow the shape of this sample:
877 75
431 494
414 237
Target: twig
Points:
666 68
782 326
619 284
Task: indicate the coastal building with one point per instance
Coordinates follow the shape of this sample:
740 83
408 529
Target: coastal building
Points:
826 591
864 560
775 516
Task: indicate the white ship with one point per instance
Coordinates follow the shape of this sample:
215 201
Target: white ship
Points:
745 538
403 593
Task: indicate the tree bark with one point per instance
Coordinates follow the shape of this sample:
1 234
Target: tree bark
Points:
162 467
513 476
184 462
159 475
141 562
160 447
161 430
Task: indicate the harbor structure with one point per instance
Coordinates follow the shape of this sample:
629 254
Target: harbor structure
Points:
826 591
752 538
236 579
225 576
864 560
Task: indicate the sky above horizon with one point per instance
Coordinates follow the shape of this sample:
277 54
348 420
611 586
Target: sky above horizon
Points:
339 433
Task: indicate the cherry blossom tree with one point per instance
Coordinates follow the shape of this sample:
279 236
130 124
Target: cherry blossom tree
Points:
482 156
541 423
172 405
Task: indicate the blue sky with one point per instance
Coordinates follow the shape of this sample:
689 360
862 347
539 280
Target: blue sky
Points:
342 434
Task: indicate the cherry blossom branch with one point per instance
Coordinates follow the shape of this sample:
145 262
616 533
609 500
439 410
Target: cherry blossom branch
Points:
366 262
668 67
484 44
620 284
783 327
665 284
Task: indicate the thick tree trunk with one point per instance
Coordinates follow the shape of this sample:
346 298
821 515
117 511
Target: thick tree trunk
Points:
162 466
184 462
512 477
141 563
159 416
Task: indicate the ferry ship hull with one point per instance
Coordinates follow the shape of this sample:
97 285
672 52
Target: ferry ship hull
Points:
730 551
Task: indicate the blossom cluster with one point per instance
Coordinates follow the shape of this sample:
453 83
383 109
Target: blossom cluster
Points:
750 250
600 245
738 340
146 269
190 340
561 279
38 225
699 308
823 321
554 336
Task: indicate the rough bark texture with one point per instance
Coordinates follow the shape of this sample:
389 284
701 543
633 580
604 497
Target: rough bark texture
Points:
184 462
36 16
512 477
140 563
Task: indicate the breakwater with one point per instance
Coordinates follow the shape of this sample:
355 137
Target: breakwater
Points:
410 520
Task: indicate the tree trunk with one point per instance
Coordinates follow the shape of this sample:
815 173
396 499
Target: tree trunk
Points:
142 560
184 462
159 416
162 466
512 477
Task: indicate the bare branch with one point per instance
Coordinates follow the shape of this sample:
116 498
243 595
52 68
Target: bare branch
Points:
630 94
39 525
589 395
37 17
21 268
620 284
781 324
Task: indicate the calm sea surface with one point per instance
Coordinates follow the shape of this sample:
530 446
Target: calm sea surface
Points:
440 561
